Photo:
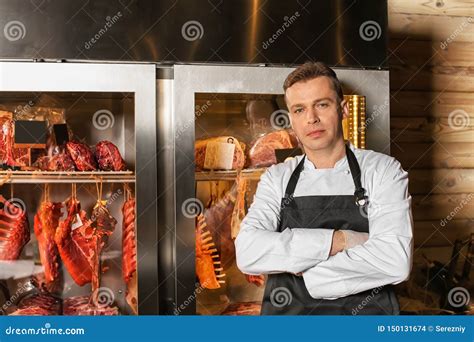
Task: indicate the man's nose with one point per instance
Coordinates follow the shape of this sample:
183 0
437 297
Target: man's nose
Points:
312 116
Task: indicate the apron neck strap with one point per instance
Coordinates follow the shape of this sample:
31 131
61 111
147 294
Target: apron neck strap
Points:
360 197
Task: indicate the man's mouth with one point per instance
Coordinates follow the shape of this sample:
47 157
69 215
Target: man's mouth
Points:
316 133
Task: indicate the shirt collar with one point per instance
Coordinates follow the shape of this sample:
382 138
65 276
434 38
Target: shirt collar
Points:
308 164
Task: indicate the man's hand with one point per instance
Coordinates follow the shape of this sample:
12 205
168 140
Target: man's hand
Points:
338 242
345 239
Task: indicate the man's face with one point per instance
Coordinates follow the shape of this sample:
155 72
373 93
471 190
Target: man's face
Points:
314 113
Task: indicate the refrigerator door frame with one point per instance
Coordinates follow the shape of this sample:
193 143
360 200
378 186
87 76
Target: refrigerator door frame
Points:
111 77
191 79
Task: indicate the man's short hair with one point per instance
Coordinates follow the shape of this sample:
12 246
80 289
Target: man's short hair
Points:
311 70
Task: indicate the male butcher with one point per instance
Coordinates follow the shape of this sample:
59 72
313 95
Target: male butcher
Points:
332 228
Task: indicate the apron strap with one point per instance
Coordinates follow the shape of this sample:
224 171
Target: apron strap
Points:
360 197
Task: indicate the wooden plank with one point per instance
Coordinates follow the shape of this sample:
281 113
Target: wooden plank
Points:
457 128
421 52
432 104
432 7
435 155
432 233
441 181
444 207
437 78
430 27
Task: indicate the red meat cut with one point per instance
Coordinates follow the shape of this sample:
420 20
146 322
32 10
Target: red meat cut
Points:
46 222
108 157
82 156
14 230
262 152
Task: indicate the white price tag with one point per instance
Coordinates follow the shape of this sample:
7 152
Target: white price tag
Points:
219 156
77 222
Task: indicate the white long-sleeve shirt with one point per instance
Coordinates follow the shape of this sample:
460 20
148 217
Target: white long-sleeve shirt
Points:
385 258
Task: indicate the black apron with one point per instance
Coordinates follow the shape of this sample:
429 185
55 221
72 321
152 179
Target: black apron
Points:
286 293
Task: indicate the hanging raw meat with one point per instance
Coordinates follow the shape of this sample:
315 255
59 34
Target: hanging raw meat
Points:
75 244
208 265
80 240
218 217
108 157
262 152
223 153
46 222
238 213
82 156
103 225
129 252
14 229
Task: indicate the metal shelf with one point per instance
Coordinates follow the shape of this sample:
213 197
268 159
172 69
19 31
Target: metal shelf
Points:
41 177
249 174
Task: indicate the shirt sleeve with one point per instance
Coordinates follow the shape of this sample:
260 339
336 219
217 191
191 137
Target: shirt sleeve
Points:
260 249
385 258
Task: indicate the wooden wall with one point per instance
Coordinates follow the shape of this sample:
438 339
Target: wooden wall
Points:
432 116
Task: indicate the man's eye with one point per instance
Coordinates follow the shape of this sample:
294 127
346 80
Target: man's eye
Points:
298 110
323 105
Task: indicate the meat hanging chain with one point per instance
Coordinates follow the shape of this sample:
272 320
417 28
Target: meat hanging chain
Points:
45 224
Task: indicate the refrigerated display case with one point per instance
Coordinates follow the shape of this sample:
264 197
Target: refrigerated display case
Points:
56 259
220 128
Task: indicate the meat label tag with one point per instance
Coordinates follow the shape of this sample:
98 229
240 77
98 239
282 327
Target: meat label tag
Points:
219 156
77 222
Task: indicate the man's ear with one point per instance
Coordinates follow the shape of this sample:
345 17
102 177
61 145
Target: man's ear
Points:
344 109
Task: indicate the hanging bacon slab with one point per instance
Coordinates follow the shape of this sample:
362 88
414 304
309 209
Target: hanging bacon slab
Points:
46 223
129 253
75 242
14 229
